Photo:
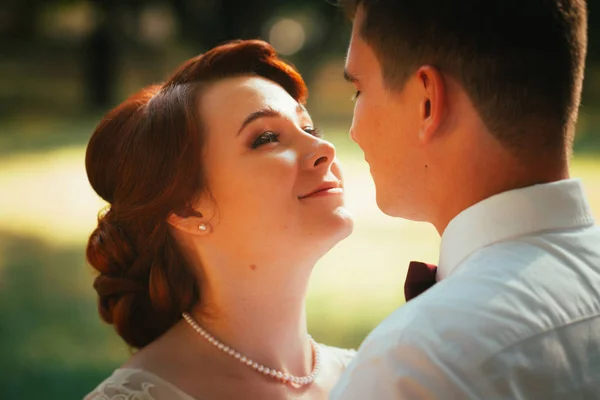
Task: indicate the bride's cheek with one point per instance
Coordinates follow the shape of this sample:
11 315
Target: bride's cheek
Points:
282 166
287 157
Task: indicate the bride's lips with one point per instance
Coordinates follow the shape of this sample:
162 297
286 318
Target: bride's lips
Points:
325 189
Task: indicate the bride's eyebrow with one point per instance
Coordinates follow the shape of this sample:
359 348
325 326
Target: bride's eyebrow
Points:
266 112
262 113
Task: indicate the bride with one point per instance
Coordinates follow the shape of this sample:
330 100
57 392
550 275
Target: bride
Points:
223 195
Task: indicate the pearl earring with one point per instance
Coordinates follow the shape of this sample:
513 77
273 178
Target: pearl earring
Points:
203 227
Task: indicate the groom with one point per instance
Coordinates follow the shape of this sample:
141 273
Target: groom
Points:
466 113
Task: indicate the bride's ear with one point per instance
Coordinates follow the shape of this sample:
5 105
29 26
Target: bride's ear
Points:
189 221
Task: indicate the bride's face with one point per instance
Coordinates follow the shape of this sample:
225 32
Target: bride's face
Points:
275 185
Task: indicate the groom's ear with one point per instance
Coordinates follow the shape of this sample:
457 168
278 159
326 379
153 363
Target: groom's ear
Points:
433 102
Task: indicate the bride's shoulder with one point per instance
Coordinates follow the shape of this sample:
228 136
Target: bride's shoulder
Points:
344 356
123 382
129 383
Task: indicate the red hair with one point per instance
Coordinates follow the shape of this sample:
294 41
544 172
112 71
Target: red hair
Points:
143 160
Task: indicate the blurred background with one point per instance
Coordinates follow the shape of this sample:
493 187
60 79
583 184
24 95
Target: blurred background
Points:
65 63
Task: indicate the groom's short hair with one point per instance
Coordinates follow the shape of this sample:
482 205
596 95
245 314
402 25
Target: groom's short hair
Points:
520 61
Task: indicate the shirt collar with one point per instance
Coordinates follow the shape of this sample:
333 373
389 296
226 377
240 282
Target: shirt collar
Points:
549 206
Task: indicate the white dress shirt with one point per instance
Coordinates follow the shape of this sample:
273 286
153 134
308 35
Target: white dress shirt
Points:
515 313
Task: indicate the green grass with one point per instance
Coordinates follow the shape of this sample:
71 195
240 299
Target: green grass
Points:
53 344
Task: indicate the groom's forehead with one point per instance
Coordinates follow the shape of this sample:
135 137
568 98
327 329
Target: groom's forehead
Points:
352 56
360 59
358 48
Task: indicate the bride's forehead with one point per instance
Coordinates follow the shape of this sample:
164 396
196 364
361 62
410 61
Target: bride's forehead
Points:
246 94
249 88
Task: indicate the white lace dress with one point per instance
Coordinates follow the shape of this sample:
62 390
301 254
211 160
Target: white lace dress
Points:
137 384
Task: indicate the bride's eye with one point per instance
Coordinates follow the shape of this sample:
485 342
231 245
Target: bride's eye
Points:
316 132
264 138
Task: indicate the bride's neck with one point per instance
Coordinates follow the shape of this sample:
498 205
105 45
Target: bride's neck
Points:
260 312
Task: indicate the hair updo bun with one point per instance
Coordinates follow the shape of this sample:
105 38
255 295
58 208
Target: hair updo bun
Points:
141 295
143 160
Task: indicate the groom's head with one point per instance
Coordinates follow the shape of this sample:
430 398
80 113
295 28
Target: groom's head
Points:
470 78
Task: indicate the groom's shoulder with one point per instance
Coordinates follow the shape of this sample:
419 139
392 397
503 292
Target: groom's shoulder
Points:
462 305
443 327
499 296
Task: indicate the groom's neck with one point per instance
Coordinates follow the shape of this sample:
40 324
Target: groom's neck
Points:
491 173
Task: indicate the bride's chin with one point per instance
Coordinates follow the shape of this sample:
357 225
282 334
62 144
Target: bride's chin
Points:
341 226
348 224
326 230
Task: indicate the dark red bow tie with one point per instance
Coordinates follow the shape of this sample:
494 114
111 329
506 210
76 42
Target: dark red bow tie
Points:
420 277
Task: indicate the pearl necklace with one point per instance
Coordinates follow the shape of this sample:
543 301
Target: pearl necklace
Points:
295 381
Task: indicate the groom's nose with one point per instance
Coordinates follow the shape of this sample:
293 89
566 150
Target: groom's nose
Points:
352 135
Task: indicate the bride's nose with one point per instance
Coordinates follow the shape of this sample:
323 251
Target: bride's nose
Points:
320 154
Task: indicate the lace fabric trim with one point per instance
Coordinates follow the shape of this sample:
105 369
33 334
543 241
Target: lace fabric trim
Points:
122 392
136 384
132 384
